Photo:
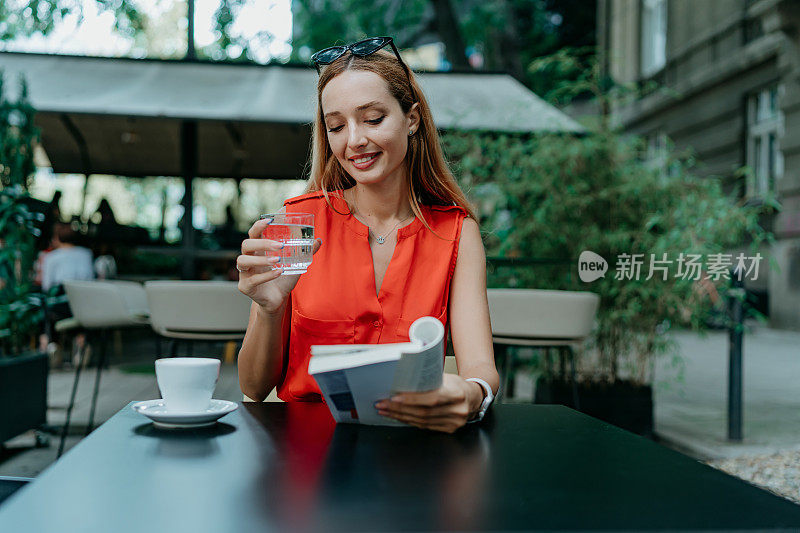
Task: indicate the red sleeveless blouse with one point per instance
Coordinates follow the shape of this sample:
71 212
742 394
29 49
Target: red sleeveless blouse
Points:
335 302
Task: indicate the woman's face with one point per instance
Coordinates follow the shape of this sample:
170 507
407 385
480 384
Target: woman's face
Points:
367 129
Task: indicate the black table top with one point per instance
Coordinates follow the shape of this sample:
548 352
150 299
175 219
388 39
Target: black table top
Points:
283 467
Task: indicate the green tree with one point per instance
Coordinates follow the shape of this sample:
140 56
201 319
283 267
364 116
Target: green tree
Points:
508 34
322 23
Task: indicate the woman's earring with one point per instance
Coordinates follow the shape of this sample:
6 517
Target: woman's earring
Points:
410 132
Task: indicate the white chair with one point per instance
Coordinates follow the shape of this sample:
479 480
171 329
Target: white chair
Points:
197 310
542 319
101 306
134 297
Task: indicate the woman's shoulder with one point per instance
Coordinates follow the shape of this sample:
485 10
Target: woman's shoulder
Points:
309 196
446 220
447 212
315 199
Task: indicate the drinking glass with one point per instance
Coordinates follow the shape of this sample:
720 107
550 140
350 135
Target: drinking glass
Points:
296 232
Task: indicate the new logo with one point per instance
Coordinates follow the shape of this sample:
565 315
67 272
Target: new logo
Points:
591 266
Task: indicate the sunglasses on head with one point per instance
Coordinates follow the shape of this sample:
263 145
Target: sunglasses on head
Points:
363 48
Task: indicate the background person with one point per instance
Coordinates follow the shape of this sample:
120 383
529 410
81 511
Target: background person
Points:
398 241
66 262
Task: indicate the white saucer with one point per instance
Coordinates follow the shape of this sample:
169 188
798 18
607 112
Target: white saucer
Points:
156 411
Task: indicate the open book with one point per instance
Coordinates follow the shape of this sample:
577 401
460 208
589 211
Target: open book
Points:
352 377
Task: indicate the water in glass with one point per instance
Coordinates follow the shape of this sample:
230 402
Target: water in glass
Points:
298 242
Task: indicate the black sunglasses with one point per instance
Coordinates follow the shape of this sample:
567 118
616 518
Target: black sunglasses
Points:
363 48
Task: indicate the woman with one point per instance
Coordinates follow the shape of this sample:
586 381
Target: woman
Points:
398 241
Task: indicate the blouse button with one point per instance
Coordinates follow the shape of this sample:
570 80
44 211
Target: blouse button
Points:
377 323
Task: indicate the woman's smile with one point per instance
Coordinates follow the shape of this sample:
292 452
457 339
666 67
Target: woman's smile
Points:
364 161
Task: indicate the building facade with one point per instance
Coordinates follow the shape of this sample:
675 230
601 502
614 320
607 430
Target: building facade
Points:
731 70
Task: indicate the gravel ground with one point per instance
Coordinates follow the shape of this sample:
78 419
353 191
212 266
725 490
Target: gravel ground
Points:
778 472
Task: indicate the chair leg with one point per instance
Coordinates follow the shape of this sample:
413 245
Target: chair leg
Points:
507 388
230 352
173 348
500 361
65 428
85 354
118 344
562 365
573 378
100 364
548 367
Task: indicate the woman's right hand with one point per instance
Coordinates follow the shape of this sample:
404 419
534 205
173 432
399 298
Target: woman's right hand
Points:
265 285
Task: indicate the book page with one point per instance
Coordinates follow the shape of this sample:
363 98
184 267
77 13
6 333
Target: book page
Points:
421 368
370 384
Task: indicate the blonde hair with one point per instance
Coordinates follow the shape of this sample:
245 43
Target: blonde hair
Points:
430 181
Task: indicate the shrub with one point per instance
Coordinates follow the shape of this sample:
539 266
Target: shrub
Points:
555 196
20 305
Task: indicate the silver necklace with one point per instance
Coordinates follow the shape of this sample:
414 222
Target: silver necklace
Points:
380 239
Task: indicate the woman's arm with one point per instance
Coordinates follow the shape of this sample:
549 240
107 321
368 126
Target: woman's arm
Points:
470 327
261 357
457 400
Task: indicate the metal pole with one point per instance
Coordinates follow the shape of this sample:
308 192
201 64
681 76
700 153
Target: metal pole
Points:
188 162
162 231
189 170
190 51
736 339
83 197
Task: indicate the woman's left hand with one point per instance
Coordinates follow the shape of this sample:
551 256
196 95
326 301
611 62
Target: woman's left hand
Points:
444 409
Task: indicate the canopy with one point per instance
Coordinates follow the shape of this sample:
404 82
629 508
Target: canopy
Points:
126 116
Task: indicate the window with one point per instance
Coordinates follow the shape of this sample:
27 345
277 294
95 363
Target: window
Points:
764 129
656 154
653 36
656 147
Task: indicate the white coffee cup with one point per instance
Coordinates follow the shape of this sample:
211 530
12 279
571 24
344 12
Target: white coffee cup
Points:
187 383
